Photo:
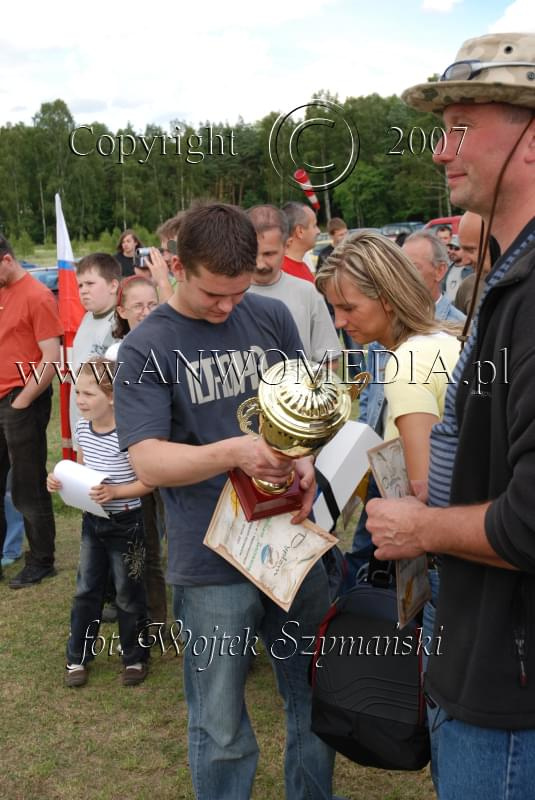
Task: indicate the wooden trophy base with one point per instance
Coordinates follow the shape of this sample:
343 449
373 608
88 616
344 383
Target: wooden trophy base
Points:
257 504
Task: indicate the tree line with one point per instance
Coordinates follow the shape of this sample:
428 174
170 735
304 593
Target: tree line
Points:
113 180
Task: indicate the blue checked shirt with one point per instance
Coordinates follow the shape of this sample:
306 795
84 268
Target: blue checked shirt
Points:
445 434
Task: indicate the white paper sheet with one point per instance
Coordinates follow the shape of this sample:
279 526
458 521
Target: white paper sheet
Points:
344 462
412 582
76 482
272 553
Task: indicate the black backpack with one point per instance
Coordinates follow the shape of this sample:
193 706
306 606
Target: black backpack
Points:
367 697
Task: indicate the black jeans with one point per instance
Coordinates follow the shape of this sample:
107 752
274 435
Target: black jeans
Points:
23 443
116 545
154 577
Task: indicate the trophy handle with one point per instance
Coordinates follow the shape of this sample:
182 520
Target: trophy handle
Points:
358 384
245 411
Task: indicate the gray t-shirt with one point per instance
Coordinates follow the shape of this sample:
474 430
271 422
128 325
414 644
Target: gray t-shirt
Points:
92 339
309 310
177 382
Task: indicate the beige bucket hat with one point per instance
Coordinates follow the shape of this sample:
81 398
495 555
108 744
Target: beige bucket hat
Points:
498 68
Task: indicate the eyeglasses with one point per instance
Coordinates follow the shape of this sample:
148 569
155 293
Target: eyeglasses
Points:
466 70
138 308
453 247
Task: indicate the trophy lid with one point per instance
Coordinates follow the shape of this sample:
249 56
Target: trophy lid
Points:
304 403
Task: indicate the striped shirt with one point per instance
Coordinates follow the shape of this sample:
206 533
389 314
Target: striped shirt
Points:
445 434
101 451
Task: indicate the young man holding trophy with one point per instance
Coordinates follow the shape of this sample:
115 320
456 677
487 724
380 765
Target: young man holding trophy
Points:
184 372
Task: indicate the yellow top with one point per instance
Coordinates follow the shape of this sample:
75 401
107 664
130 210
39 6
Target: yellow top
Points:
417 376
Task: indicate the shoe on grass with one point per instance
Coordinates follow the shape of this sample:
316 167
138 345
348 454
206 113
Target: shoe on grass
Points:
7 561
134 674
30 574
76 675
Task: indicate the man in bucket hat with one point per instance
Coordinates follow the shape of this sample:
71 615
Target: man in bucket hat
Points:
480 517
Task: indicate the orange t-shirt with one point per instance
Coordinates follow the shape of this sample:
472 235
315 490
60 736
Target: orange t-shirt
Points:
297 268
28 315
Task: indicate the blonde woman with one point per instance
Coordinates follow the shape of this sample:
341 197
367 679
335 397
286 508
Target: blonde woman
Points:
379 296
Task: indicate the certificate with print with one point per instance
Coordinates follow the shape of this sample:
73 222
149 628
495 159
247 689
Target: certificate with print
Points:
272 553
387 462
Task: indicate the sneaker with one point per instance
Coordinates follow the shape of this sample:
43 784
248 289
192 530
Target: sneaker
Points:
76 675
30 574
134 674
7 561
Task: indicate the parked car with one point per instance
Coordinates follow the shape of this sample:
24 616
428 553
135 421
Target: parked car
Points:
322 240
453 222
47 275
393 229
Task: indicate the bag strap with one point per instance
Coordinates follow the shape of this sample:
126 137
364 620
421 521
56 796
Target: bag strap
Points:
328 494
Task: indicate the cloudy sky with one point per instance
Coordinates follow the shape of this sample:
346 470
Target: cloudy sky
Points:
151 63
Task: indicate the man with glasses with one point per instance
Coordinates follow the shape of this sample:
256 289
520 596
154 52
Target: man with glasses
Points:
463 267
481 514
29 332
454 250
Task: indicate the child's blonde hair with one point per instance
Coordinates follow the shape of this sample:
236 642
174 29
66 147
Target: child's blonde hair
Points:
102 370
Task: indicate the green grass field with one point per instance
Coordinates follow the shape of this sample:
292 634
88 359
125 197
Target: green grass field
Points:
103 741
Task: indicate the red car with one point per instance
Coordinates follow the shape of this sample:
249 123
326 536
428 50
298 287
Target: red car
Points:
453 222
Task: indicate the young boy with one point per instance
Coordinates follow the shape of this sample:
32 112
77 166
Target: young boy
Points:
98 281
115 544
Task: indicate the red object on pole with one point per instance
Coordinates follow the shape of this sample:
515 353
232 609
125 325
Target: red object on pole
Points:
67 451
301 176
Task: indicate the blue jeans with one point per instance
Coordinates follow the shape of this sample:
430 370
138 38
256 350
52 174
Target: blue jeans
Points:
223 751
14 529
434 715
485 763
116 544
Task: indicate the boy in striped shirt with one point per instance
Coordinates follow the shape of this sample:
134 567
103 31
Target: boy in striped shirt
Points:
115 542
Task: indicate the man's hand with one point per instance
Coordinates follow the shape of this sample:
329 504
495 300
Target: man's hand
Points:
103 493
395 529
157 265
159 271
18 405
304 467
258 460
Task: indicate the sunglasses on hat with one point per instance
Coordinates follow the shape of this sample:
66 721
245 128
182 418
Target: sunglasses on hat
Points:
466 70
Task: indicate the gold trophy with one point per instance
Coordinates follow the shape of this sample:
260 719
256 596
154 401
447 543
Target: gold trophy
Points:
299 411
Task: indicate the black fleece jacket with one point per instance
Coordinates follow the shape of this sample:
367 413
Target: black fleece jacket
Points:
485 674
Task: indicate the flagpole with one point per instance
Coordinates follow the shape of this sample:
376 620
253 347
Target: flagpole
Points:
71 312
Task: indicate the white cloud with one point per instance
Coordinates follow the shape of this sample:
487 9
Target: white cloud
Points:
519 16
442 6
